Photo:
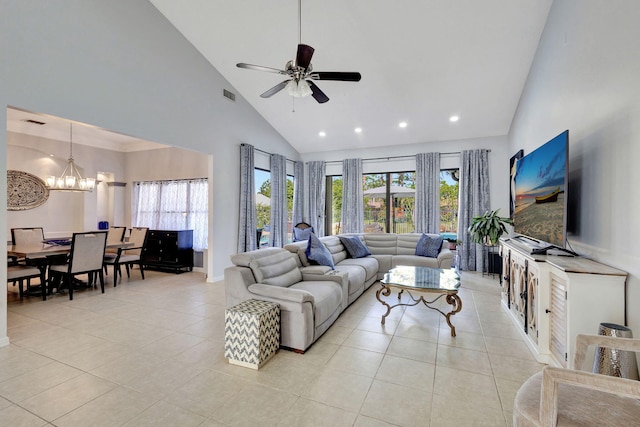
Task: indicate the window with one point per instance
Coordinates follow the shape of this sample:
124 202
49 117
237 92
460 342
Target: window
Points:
263 205
173 205
449 203
333 207
389 202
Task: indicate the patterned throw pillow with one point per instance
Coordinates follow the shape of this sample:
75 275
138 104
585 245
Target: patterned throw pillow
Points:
429 246
318 252
355 246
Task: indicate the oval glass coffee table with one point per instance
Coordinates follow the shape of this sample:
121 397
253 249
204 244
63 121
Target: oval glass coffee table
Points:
444 282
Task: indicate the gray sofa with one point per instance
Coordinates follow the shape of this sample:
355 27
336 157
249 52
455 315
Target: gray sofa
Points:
311 297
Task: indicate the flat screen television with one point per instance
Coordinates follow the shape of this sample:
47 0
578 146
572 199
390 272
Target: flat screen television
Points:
541 184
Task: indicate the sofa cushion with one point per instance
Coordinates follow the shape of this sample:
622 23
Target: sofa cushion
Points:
327 298
414 260
356 275
278 269
354 246
382 244
318 252
369 264
429 246
338 252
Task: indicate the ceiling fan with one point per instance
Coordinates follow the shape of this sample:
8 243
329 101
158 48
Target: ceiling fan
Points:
300 72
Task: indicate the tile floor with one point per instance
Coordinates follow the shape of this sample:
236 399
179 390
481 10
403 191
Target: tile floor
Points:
151 353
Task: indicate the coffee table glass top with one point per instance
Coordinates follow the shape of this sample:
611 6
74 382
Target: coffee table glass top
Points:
424 278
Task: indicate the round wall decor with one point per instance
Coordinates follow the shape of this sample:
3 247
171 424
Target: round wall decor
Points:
25 191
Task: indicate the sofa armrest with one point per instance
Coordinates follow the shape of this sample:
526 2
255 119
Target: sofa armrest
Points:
340 277
445 258
282 293
315 269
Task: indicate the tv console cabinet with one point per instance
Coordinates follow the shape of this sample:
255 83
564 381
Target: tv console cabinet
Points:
552 299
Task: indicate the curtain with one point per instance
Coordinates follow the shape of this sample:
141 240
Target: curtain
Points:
298 193
352 197
173 205
316 196
427 219
278 235
474 199
247 236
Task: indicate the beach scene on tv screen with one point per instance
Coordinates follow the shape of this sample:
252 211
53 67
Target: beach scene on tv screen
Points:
540 192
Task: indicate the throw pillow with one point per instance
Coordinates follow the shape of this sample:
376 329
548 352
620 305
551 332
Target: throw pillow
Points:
355 246
429 246
318 252
301 234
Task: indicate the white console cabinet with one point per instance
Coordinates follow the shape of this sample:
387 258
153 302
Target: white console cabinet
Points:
552 299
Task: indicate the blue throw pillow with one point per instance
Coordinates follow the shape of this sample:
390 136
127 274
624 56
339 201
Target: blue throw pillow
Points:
354 246
318 252
429 246
301 234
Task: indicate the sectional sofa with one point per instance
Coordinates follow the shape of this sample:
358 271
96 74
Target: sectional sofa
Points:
311 297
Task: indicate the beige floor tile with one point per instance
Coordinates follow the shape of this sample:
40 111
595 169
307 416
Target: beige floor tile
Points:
17 361
66 397
364 421
461 358
501 329
368 341
164 413
96 356
513 369
355 360
398 405
422 351
255 405
113 408
417 331
373 324
293 375
171 345
340 389
450 412
508 347
466 386
407 372
308 413
462 339
15 416
507 390
336 335
36 381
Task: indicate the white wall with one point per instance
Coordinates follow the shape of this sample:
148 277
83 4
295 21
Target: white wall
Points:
585 78
121 66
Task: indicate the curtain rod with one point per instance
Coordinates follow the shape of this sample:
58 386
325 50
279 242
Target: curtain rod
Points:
267 153
451 153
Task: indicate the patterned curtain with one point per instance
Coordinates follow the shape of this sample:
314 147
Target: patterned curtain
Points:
247 236
173 205
427 218
316 196
278 235
298 193
474 199
352 197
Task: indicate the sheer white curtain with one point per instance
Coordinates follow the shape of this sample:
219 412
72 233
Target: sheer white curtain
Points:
173 205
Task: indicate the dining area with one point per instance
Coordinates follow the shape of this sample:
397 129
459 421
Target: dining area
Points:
39 266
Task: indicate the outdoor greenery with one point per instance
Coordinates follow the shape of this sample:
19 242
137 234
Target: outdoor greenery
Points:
263 213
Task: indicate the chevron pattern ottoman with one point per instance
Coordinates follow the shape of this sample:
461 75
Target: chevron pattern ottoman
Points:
251 333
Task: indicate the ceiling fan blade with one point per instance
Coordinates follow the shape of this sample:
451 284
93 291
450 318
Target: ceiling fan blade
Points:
336 75
261 68
303 57
317 94
277 88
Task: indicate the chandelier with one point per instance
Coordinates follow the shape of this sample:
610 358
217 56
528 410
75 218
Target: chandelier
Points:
70 180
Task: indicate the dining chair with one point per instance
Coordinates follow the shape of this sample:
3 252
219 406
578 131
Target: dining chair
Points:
129 256
86 256
31 236
20 273
114 235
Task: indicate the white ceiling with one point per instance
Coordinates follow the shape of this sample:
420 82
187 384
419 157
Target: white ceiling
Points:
421 61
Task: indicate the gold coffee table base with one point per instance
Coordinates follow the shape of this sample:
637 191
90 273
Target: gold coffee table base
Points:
425 280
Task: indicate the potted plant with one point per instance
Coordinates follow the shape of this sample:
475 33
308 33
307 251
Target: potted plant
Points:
486 229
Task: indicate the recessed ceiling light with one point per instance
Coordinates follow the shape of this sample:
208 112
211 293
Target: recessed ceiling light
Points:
454 119
322 133
358 130
402 124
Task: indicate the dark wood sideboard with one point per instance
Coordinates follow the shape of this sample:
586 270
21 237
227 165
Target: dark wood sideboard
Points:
169 250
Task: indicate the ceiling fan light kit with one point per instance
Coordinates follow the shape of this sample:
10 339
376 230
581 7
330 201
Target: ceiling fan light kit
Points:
300 73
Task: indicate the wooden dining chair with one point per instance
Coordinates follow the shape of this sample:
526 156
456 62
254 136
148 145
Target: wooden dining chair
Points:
131 255
114 235
31 236
19 273
85 257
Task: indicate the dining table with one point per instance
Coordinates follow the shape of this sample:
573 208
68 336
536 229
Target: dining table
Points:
50 249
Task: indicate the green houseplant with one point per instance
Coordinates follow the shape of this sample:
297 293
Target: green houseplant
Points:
487 228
